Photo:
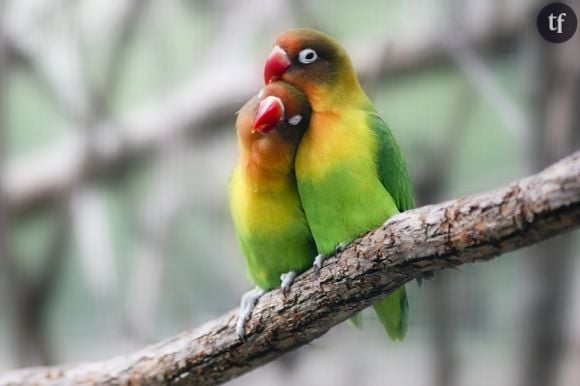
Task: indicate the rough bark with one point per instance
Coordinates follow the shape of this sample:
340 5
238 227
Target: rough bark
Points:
456 232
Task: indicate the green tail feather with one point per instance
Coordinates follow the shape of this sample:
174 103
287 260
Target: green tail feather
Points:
393 312
356 320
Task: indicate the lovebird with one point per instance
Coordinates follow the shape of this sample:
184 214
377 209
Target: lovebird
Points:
268 217
350 172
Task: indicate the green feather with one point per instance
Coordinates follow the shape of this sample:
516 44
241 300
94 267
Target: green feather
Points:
328 203
393 311
356 320
270 247
268 217
352 197
391 165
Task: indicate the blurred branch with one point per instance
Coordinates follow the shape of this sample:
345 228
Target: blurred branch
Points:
104 89
429 182
8 270
159 212
485 82
449 234
203 107
13 283
553 81
27 296
397 56
32 343
93 241
480 75
51 62
88 205
429 188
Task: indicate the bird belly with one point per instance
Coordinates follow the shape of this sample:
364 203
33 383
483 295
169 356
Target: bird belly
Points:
343 204
273 234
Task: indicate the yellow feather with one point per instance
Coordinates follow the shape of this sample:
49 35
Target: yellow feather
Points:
348 140
262 211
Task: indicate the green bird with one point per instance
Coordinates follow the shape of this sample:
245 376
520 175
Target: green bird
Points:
272 231
350 173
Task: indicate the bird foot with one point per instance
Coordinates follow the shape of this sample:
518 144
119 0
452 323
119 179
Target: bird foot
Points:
287 280
317 265
247 304
340 247
318 260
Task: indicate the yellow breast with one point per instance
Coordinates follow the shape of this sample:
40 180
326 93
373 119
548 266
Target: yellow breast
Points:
334 138
268 210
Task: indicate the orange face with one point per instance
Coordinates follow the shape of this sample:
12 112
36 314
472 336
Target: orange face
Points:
270 127
280 107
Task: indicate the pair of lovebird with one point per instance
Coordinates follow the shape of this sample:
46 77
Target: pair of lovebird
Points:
318 168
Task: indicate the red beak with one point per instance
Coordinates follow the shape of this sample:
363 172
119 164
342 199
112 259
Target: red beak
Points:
270 112
276 64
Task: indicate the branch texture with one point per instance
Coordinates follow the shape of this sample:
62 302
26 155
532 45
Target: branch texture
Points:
445 235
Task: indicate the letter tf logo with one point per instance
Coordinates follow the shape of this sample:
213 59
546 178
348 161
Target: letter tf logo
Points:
557 22
560 20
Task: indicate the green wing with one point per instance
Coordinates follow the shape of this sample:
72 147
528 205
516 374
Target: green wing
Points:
392 310
391 165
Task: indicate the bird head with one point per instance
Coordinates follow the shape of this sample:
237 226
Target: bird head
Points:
310 60
282 107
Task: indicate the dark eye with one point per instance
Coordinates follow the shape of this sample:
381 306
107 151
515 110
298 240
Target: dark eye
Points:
307 56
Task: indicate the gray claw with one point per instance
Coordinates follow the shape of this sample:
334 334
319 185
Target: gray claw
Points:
247 304
340 247
287 280
318 260
317 265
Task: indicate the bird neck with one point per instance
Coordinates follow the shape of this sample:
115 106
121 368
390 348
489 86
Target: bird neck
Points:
268 163
344 95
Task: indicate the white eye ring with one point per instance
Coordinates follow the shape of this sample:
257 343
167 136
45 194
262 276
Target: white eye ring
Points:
307 56
296 119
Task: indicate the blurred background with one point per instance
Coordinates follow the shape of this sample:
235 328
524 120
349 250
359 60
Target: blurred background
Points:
117 139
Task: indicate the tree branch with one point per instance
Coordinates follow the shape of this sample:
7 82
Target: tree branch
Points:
449 234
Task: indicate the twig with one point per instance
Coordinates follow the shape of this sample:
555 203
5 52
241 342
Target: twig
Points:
456 232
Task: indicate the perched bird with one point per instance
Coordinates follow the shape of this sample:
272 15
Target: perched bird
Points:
350 172
272 231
